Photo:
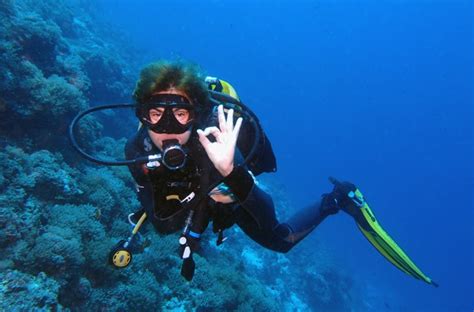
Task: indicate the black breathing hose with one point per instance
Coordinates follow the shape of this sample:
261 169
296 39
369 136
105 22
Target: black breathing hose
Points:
217 99
72 138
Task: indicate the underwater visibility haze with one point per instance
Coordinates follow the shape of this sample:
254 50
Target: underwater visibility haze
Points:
379 93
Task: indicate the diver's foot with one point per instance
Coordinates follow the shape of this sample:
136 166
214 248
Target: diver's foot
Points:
329 204
344 197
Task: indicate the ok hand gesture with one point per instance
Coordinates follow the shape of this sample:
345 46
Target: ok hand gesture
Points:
221 152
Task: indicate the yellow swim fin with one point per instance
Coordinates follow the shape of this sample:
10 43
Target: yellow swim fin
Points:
373 231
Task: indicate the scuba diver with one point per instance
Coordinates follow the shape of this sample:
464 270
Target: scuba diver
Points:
195 159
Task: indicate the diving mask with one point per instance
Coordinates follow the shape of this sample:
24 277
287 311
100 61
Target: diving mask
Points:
166 113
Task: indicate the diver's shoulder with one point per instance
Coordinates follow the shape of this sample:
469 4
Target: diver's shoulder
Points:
140 142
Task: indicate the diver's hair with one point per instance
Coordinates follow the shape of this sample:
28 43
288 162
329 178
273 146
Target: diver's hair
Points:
162 75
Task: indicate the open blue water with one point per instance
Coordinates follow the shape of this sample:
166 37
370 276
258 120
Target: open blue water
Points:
376 92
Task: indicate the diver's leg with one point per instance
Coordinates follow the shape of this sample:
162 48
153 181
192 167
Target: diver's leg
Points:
255 214
307 219
256 217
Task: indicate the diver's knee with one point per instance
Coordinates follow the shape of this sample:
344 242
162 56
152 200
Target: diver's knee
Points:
283 230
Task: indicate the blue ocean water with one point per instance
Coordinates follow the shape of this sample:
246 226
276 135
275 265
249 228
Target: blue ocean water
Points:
379 93
376 92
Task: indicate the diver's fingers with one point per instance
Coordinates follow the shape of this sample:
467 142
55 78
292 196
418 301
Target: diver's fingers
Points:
215 132
230 120
335 181
203 139
210 130
236 130
221 117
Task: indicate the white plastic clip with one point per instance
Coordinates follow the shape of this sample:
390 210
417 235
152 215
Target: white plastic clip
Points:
188 198
187 252
130 219
153 164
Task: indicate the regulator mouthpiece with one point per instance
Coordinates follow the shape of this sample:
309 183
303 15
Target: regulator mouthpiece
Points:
174 156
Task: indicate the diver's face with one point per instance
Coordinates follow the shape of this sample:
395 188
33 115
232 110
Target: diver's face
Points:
183 116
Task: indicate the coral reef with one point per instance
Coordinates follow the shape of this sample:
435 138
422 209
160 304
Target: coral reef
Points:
53 65
59 223
40 290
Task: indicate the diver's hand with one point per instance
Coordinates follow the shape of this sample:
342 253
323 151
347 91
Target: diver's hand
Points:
221 152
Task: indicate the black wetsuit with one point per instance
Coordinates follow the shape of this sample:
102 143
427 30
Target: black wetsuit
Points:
253 210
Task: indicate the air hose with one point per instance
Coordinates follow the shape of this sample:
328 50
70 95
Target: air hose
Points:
217 99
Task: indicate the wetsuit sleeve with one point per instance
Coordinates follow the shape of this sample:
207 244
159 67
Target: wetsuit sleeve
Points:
250 197
144 190
240 181
133 151
255 212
